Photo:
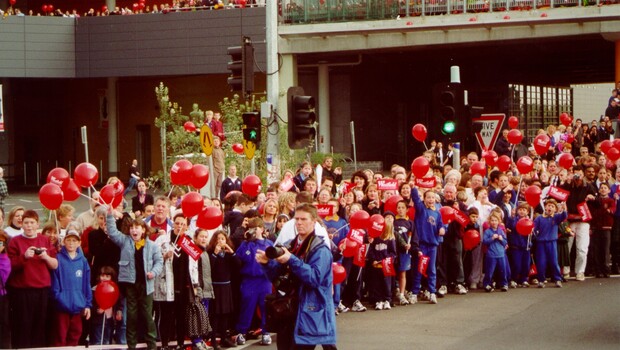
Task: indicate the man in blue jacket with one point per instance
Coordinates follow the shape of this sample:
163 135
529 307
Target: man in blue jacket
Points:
309 260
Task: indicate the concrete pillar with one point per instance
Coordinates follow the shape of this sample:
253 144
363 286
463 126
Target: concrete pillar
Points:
112 127
111 4
323 109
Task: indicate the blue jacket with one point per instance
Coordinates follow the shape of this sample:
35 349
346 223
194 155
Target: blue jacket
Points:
316 320
515 240
427 221
153 260
497 248
247 253
71 283
547 227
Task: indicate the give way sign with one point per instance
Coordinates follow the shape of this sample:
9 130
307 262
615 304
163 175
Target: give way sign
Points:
490 126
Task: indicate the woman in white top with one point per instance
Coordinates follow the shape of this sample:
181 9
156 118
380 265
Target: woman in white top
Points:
15 221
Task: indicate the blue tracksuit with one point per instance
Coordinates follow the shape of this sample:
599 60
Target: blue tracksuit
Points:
519 252
71 283
496 256
427 223
546 253
255 285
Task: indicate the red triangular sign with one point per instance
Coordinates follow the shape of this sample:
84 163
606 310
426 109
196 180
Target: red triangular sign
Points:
491 128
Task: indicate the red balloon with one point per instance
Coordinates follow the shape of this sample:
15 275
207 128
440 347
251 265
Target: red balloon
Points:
192 204
12 2
566 160
251 185
106 195
447 214
513 122
359 220
44 8
515 136
420 166
478 167
237 148
106 294
532 195
104 8
376 225
613 154
71 191
490 157
200 176
570 138
565 119
471 239
525 226
525 164
119 188
135 6
542 143
419 132
210 218
390 204
339 273
58 176
85 175
606 145
50 8
616 143
141 5
50 195
350 248
189 126
181 172
503 163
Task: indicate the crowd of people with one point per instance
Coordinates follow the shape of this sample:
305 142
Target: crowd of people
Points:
275 245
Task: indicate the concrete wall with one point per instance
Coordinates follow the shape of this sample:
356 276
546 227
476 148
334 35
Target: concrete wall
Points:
590 101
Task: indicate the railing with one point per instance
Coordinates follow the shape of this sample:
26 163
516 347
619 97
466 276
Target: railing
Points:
317 11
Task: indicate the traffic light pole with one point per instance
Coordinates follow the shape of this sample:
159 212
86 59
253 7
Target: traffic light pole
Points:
273 86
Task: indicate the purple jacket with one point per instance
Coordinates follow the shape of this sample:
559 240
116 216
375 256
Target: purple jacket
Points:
5 270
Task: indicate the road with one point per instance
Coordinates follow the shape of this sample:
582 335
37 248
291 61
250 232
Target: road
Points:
582 315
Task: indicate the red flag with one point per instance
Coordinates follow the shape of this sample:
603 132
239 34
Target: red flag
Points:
388 267
189 247
584 211
360 256
357 236
423 265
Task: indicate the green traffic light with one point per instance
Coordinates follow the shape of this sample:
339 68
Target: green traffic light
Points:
253 134
448 127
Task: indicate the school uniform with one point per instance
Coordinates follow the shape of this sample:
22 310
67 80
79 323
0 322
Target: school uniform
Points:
496 256
546 252
427 222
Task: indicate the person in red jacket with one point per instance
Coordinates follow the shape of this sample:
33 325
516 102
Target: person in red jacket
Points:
603 209
32 257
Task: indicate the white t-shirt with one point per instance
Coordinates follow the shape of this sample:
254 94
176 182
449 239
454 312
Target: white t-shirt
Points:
289 232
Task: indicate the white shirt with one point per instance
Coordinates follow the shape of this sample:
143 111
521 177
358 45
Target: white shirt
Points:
289 232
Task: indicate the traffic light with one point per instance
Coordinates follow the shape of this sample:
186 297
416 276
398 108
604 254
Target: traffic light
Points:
301 118
241 67
251 127
449 108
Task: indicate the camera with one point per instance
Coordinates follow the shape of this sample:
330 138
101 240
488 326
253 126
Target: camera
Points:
575 177
274 252
38 251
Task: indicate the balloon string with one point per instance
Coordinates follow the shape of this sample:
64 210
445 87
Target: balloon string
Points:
102 328
512 153
171 189
518 191
424 142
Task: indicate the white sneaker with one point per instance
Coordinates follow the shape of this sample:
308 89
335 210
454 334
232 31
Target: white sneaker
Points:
265 339
412 298
443 290
513 284
432 298
402 300
341 308
580 277
386 305
460 289
379 305
425 296
358 307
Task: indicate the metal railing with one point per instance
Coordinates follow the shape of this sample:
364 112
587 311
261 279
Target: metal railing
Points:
318 11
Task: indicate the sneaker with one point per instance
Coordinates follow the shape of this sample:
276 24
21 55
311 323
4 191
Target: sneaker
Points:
265 339
513 284
432 298
473 286
412 298
580 277
342 309
358 307
541 285
460 289
402 300
386 305
504 288
488 289
240 339
425 295
558 284
535 281
226 342
379 305
443 290
525 285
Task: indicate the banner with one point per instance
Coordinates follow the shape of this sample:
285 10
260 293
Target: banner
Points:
461 217
324 210
387 184
189 247
558 193
426 182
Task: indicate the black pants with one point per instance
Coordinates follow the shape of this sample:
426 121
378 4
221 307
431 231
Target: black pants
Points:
5 325
165 320
600 241
353 288
28 316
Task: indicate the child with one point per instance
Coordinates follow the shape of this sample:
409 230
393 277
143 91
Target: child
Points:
71 291
473 224
381 248
405 229
603 209
281 220
50 231
495 240
336 230
255 285
519 249
103 320
546 252
429 227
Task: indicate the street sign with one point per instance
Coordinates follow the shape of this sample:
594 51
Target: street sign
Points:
249 148
206 140
490 128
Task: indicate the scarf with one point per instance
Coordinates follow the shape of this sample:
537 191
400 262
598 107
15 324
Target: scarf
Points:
140 244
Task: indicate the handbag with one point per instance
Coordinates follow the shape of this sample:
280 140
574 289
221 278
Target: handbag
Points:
281 310
196 317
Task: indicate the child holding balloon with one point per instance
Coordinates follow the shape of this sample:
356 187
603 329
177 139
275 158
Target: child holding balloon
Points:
380 249
495 240
546 253
102 323
519 248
